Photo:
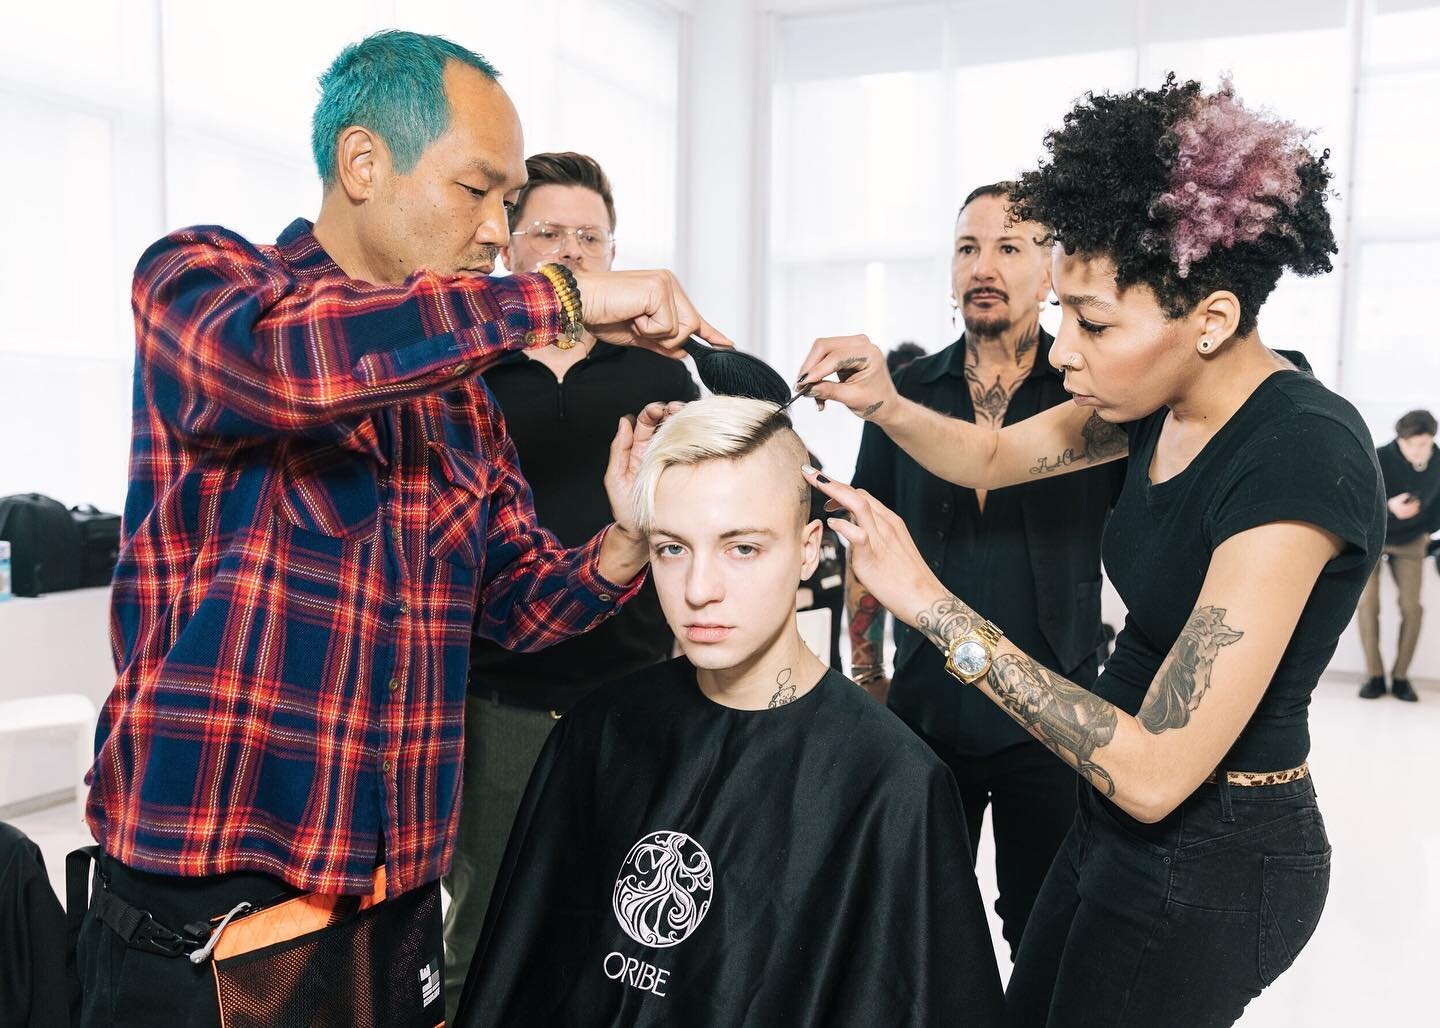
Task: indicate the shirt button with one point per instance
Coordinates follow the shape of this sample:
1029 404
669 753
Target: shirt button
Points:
386 766
945 507
532 338
394 684
460 368
606 597
404 607
940 533
396 531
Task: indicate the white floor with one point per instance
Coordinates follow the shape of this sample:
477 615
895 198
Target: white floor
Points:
1378 943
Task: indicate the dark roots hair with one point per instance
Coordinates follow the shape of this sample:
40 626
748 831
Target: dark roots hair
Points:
1186 192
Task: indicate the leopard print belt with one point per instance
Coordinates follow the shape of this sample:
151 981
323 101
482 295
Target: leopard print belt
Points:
1250 778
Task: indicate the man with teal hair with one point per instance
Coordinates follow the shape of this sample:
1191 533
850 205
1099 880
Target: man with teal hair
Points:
324 507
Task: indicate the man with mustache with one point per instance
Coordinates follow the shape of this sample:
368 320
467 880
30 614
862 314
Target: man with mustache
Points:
324 509
1032 552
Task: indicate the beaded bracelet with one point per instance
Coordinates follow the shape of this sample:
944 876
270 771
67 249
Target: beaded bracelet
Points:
567 291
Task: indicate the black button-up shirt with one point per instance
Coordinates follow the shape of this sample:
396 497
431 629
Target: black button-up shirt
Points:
1029 562
562 431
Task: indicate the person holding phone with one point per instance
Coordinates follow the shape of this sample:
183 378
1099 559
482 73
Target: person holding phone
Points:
1412 490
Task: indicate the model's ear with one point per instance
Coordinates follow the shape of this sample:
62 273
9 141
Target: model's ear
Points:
810 544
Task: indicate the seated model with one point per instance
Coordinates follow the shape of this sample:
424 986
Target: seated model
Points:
740 836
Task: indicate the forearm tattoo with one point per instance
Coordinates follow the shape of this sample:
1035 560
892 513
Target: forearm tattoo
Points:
1185 678
867 628
1070 720
784 691
1102 441
869 412
944 620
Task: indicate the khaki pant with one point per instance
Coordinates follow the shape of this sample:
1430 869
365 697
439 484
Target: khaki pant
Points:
1407 561
501 745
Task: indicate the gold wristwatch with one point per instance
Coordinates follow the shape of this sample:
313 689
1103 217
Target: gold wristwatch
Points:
968 657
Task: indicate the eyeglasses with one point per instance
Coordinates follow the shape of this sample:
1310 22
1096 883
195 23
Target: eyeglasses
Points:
549 238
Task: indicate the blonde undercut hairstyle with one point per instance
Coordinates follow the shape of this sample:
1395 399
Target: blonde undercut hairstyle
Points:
717 428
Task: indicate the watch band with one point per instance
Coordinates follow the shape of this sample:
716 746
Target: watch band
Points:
983 634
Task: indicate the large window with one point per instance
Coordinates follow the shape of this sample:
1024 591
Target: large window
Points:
884 118
134 117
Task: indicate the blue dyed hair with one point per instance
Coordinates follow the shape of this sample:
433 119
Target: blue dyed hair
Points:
393 84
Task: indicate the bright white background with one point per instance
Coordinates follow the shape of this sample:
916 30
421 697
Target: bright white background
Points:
799 163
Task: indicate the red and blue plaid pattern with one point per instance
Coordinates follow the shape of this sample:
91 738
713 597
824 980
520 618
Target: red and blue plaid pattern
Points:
324 506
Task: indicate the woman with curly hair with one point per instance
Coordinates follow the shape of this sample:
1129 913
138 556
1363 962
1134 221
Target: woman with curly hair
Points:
1251 517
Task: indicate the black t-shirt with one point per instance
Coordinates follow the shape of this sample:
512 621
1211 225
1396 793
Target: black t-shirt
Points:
1401 477
1294 451
562 432
679 862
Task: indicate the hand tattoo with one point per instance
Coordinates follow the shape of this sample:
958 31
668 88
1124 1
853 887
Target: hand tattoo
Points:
1065 717
1185 677
785 693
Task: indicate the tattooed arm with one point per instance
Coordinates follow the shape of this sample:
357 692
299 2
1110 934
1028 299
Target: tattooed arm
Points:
867 638
1201 698
1055 441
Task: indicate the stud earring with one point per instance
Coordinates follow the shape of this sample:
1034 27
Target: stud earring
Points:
1206 343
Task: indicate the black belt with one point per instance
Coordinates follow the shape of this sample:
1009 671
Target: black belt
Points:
519 699
137 927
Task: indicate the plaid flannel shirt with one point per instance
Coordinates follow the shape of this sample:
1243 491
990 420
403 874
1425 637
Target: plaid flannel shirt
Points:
323 508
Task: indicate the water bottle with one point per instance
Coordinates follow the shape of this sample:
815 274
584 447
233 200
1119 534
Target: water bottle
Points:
4 569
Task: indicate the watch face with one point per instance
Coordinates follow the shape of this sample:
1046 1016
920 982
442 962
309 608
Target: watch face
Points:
971 658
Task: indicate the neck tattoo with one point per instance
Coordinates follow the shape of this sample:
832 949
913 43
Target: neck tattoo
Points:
785 692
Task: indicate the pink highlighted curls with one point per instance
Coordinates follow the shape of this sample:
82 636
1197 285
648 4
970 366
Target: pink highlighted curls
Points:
1234 171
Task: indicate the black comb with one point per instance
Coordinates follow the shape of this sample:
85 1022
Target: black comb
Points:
736 373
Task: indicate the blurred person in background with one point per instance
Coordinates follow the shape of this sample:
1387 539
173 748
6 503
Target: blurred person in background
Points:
1412 490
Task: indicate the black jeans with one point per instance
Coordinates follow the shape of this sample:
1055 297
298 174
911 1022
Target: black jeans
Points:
1031 796
1181 922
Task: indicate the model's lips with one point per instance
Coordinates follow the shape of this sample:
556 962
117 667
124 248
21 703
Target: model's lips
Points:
708 633
483 269
985 297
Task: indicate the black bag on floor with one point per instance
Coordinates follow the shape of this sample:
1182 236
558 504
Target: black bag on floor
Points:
44 544
99 544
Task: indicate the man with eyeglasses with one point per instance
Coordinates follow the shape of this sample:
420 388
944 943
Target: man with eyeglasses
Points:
561 404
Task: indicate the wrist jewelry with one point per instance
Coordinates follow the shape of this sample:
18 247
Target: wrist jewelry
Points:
567 291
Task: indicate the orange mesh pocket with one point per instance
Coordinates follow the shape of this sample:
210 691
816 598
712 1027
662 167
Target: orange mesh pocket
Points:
323 961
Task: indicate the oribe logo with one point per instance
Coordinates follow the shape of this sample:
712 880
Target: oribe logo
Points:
664 889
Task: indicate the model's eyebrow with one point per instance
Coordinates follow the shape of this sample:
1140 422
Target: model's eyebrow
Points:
668 534
1089 300
747 531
